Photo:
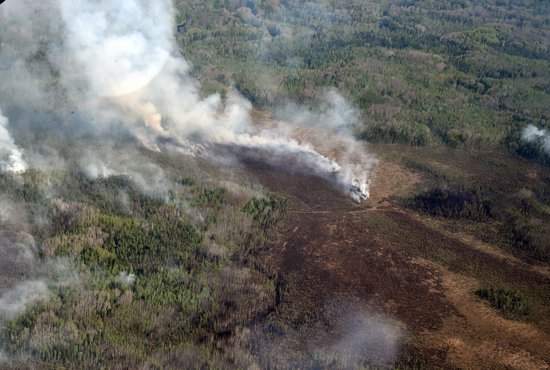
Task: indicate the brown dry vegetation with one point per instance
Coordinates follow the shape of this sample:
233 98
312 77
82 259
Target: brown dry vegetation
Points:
411 268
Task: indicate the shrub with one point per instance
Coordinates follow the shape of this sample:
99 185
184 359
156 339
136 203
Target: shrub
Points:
508 302
267 210
453 203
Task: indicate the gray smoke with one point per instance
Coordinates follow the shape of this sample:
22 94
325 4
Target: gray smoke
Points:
149 177
364 335
25 278
20 281
110 68
133 76
15 300
330 130
11 156
350 336
532 134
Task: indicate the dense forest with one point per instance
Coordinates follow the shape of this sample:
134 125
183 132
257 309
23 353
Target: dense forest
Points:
460 74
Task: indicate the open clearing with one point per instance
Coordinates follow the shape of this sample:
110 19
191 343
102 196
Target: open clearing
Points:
396 267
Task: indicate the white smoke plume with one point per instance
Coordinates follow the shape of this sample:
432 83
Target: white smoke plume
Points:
330 130
123 45
16 299
126 278
532 134
11 156
134 76
19 284
117 67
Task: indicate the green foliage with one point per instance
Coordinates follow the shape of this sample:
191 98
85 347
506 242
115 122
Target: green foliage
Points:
266 211
211 198
416 134
456 74
186 181
152 279
422 74
508 302
527 228
141 246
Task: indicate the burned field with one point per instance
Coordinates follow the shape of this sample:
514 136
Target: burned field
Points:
398 268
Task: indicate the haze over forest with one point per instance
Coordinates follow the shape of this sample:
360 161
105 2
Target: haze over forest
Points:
274 184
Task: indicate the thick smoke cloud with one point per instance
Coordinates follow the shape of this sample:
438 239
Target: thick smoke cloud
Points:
123 45
11 156
134 38
111 68
532 134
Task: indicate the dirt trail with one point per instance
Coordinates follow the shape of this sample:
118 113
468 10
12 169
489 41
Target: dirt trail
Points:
330 246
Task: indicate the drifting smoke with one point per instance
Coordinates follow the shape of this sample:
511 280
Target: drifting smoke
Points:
365 335
11 156
147 176
19 284
126 278
134 76
531 134
123 45
352 337
16 299
9 212
330 130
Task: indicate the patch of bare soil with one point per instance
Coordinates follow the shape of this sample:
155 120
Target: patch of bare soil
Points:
478 337
390 180
332 259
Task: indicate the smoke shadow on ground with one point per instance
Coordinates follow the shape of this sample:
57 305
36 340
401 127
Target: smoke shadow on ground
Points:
344 334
